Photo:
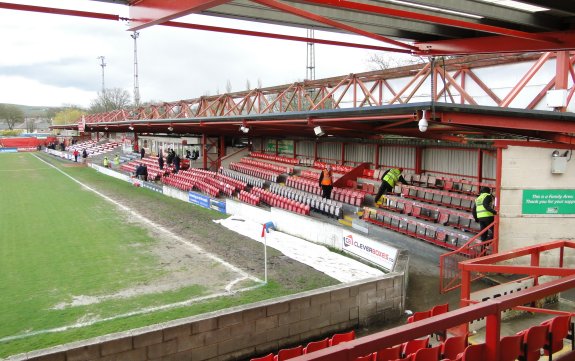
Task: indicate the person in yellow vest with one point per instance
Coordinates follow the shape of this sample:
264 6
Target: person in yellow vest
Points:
326 182
106 162
388 181
117 161
483 212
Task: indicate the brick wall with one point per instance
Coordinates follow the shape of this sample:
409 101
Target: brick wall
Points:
242 332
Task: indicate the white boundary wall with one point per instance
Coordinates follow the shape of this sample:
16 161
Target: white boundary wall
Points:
529 168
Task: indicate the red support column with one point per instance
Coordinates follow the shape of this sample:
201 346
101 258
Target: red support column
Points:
315 151
205 152
492 335
418 160
479 165
376 160
135 147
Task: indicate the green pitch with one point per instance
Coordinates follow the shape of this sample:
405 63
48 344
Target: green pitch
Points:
70 262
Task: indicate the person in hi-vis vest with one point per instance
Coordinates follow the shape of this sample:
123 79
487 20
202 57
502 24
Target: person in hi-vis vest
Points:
483 212
326 182
388 181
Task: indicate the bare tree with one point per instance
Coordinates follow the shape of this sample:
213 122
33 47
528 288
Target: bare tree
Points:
228 86
388 61
11 114
110 99
248 84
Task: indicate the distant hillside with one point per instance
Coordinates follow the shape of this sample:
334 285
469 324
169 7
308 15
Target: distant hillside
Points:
36 111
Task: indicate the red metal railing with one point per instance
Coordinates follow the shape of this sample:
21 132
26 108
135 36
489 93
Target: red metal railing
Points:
491 310
449 272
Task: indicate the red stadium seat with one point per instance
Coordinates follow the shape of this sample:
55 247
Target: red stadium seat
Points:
510 347
473 353
412 346
287 353
316 345
427 354
269 357
390 353
342 337
370 357
534 339
453 346
558 330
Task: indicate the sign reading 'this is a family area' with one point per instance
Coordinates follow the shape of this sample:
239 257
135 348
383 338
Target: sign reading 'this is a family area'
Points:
548 201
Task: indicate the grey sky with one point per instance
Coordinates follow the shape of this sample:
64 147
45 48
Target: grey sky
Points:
52 60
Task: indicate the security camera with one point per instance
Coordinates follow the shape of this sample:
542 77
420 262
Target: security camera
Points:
423 123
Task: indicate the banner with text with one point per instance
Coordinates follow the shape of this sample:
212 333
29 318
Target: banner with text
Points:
548 201
373 251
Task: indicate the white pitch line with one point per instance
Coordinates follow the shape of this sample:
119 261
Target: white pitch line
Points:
129 314
161 228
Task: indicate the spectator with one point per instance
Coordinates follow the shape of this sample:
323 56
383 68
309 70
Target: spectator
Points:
170 157
176 163
161 161
326 182
388 180
84 156
142 153
484 213
76 154
188 154
142 172
195 154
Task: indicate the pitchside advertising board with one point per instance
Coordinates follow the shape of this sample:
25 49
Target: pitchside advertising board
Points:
368 249
206 202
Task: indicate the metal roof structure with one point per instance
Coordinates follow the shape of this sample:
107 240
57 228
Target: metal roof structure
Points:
421 27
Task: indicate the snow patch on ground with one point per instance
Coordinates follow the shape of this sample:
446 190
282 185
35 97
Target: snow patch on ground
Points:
343 269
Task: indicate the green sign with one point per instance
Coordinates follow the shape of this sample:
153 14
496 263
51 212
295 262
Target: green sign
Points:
549 201
284 146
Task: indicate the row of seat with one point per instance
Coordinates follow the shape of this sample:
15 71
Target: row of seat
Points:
275 158
255 171
530 344
459 185
287 353
249 198
429 232
268 166
444 198
224 187
309 174
329 207
247 179
337 168
93 148
350 196
430 212
276 200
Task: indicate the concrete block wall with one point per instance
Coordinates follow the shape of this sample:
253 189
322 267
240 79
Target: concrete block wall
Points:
243 332
525 168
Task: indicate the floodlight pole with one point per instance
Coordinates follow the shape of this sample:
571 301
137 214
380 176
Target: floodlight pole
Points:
103 65
135 36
